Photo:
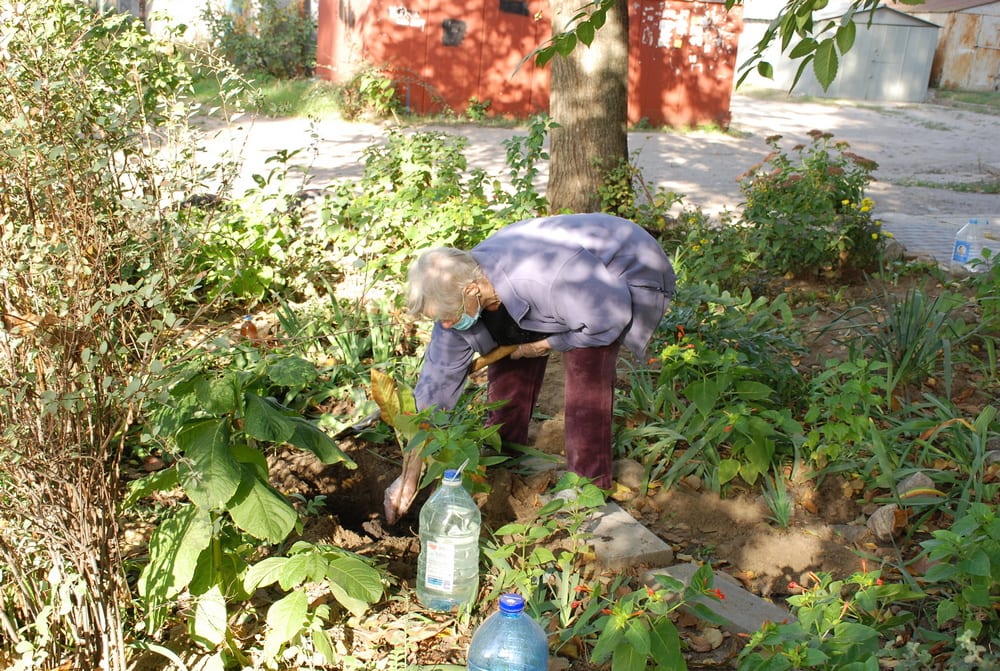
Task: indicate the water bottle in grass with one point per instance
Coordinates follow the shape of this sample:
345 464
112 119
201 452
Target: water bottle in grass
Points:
509 640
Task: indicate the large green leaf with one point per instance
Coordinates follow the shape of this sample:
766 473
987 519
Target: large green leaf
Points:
846 34
292 371
628 658
218 395
286 619
263 573
302 568
173 553
266 420
354 583
262 511
704 394
208 472
826 62
310 437
665 645
210 618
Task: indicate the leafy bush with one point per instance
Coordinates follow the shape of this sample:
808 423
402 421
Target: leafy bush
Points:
369 91
261 36
87 279
808 211
726 387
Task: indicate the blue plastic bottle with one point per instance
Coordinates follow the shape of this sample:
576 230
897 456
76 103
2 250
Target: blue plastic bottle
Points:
509 640
448 564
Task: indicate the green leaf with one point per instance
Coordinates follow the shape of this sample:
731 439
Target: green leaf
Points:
292 371
354 583
286 618
265 572
728 469
637 637
159 481
803 48
565 44
324 645
825 63
308 436
600 16
174 549
267 420
665 645
765 69
208 472
704 394
218 395
627 658
302 568
845 36
210 619
261 510
946 611
977 563
585 33
608 640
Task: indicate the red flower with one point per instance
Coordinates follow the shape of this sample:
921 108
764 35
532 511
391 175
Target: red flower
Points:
718 594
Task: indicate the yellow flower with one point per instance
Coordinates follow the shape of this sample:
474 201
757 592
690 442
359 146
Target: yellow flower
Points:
695 248
874 236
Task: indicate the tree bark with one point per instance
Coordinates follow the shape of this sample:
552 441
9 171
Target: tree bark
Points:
589 100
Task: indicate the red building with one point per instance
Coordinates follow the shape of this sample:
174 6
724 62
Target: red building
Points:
445 54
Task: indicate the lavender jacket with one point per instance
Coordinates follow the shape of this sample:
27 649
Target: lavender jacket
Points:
585 279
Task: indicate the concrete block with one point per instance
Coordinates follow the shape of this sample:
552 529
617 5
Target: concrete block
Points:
619 541
742 611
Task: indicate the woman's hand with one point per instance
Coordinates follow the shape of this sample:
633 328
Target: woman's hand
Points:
532 350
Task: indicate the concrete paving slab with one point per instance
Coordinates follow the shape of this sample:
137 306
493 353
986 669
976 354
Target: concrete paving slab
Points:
742 611
619 541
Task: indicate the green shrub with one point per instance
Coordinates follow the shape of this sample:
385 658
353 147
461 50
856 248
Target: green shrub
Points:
725 390
808 211
261 36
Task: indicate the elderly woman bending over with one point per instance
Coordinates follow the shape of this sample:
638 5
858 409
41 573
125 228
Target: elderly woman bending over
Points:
580 284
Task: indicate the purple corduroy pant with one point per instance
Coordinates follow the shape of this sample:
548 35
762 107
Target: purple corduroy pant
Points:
590 395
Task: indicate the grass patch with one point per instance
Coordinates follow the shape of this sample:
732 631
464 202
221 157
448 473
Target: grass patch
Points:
990 186
274 98
980 101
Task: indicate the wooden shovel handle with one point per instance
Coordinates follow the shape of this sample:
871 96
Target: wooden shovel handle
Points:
491 357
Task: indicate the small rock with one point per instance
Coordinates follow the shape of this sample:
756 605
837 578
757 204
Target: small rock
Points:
916 480
894 251
886 521
630 473
692 481
992 457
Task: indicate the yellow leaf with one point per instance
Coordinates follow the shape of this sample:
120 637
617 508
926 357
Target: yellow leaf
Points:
384 394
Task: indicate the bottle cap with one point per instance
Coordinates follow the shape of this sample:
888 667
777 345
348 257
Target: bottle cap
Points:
511 603
453 475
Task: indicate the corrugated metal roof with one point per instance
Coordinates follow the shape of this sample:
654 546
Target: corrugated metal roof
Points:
943 6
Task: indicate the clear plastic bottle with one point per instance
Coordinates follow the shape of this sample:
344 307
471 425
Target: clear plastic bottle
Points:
509 640
448 564
970 241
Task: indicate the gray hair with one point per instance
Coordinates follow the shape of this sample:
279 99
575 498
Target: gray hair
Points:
436 281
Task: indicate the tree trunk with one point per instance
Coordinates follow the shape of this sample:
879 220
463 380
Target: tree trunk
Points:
589 101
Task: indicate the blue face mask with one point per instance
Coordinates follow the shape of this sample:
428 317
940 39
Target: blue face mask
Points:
466 321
